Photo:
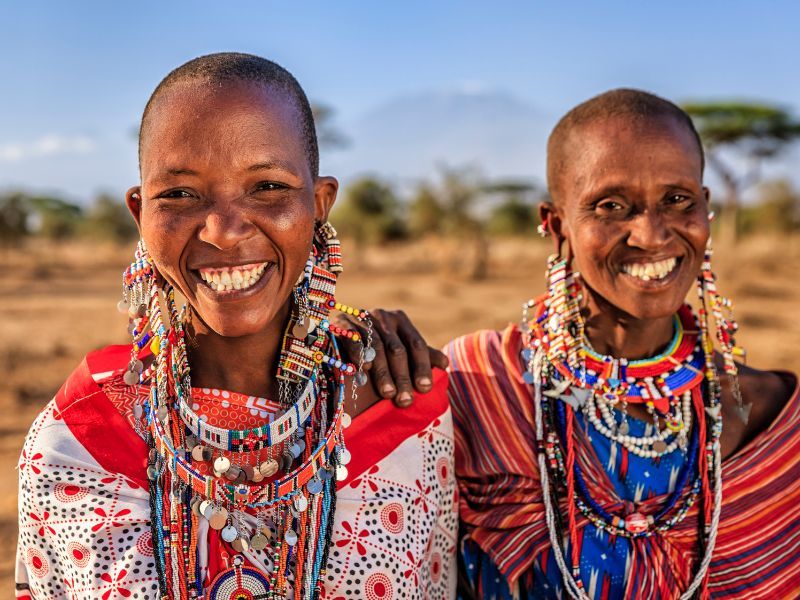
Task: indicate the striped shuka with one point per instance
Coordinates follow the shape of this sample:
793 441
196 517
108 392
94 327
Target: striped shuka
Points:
504 546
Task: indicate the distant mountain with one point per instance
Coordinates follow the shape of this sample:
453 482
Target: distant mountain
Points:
407 137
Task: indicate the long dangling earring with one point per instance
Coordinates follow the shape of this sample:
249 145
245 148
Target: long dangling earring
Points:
137 283
725 329
314 293
564 323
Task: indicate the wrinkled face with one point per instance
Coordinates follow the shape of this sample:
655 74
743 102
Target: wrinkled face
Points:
228 202
635 213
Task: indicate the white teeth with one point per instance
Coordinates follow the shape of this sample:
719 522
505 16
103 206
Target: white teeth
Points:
236 278
651 270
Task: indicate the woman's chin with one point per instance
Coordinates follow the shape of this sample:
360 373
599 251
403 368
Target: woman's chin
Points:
236 325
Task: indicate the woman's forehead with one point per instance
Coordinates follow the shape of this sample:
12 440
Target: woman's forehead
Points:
202 120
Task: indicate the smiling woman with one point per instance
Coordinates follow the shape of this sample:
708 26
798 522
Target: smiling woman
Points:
604 449
209 460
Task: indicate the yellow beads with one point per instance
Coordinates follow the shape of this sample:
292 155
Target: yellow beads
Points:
155 345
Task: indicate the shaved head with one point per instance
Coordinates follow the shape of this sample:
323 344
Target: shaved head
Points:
637 106
217 70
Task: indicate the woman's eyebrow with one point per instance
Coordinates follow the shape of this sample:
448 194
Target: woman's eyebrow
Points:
272 164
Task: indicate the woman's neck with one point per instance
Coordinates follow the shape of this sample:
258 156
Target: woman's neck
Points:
613 333
245 364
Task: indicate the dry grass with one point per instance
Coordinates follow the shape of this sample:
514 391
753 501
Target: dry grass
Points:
58 302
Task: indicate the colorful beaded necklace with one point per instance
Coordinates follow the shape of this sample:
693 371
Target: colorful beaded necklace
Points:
680 386
269 489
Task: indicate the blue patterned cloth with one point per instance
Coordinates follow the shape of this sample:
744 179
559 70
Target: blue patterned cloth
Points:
603 563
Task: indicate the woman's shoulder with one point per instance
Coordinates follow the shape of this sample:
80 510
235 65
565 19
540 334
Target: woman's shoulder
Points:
766 395
80 426
478 350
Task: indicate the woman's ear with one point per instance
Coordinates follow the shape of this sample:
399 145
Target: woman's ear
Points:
325 190
552 224
133 199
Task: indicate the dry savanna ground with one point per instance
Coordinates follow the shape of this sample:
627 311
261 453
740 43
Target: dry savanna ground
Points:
58 302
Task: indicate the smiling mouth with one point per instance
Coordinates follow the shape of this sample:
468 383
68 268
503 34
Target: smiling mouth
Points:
228 279
651 271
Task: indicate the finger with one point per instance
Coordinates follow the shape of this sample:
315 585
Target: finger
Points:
397 357
420 356
350 348
438 358
380 373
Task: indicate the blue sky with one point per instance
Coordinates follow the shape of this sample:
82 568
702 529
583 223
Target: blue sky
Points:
76 75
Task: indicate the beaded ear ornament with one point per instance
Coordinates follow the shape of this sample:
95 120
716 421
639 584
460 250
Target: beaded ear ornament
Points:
269 489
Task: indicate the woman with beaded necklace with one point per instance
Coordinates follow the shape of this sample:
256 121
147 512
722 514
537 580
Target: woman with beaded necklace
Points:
215 457
604 449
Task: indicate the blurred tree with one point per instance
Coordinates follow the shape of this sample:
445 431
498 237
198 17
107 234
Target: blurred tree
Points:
754 132
14 214
328 135
516 212
460 191
55 218
370 213
109 219
425 214
777 210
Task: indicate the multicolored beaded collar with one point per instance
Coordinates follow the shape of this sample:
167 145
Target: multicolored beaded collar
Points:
650 381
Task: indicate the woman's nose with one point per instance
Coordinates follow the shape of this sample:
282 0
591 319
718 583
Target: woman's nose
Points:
225 227
649 231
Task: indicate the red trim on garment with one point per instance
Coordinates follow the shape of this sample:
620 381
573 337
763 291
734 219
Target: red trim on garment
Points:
377 432
96 423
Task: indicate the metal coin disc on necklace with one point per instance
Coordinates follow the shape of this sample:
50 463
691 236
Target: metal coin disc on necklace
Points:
130 378
314 486
222 464
344 456
229 533
241 544
290 537
347 420
659 446
259 541
218 519
300 502
195 506
361 379
369 354
341 472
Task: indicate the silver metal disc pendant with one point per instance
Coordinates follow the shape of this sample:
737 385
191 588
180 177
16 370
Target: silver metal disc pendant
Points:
229 533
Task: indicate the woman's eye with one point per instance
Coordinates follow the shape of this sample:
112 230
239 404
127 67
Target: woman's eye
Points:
269 186
679 200
179 194
610 206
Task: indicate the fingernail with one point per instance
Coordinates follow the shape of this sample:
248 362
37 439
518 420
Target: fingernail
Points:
404 399
426 381
387 390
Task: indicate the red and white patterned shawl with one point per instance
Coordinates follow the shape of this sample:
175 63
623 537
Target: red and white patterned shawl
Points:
84 514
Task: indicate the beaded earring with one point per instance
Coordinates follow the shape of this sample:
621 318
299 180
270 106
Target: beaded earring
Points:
137 283
721 308
564 324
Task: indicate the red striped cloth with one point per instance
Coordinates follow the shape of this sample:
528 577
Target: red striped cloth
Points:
758 547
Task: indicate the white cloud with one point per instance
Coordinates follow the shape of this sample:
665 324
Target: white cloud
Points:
48 145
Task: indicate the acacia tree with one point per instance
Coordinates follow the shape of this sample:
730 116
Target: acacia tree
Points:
754 132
